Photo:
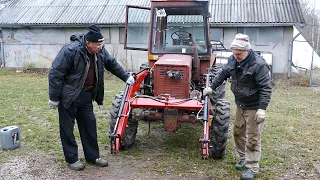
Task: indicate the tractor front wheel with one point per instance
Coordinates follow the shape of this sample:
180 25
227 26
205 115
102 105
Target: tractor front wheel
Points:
219 129
130 132
219 92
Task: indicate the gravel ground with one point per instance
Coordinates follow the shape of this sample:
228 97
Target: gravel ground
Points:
38 165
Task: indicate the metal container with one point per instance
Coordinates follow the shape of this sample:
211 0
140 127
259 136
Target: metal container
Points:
10 137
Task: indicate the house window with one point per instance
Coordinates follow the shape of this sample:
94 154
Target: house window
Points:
121 35
137 35
106 35
216 38
263 36
216 34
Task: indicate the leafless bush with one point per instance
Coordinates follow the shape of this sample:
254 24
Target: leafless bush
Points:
296 79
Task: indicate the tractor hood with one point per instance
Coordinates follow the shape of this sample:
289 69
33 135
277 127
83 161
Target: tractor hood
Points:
172 75
174 60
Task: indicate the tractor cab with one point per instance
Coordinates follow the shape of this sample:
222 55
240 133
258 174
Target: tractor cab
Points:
171 27
174 28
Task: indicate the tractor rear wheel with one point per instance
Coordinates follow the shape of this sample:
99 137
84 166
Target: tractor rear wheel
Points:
219 129
130 132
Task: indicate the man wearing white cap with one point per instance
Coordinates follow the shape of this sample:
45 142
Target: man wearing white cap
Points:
251 86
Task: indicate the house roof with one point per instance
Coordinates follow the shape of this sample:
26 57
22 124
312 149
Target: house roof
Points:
255 12
4 3
112 12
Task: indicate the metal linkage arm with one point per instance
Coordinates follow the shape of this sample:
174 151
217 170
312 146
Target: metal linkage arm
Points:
123 114
205 139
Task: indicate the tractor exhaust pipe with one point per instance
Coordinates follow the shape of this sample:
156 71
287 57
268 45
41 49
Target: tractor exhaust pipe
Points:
195 60
195 52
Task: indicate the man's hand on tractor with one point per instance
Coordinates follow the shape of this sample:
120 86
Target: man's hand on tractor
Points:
131 80
260 116
53 104
207 91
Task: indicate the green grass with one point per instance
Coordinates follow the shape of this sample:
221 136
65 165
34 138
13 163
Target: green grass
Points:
290 139
317 71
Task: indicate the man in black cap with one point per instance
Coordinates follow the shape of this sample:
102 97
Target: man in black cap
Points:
75 80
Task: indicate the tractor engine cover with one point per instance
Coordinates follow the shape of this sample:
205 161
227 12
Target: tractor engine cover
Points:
172 76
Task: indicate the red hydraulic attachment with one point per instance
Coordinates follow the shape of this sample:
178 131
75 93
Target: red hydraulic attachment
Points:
123 114
142 101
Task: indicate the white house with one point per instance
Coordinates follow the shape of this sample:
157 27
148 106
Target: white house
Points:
302 53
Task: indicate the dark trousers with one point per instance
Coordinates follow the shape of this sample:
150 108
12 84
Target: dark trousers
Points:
81 110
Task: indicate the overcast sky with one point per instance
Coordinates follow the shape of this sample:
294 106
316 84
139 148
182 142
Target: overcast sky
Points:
317 5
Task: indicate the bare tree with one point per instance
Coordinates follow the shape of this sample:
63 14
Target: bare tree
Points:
312 21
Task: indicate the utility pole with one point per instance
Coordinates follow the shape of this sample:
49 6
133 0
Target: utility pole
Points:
318 30
312 39
318 39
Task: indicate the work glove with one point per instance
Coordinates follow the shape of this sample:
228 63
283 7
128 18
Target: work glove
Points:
207 91
53 104
260 116
130 80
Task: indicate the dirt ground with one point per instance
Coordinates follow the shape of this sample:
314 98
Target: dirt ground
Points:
41 166
38 165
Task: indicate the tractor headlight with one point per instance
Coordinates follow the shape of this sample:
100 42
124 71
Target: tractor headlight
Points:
174 74
170 74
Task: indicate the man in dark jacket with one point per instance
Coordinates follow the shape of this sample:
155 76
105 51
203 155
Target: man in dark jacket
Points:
251 86
75 80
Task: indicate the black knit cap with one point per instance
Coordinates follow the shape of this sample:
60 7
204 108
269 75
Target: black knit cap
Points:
94 34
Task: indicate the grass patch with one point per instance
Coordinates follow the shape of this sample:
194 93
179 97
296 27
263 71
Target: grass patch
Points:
290 136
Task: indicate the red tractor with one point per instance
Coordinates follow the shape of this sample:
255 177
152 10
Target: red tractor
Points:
169 87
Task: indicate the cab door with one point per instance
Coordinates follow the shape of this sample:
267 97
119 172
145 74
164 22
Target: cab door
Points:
137 28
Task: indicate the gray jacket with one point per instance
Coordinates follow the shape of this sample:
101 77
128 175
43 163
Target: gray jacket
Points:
250 81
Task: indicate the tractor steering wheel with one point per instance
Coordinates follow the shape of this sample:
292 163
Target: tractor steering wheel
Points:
179 36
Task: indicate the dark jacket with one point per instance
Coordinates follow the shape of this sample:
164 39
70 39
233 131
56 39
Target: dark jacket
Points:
69 71
250 81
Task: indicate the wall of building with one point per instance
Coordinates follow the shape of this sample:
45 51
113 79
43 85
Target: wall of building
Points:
38 47
35 47
279 50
